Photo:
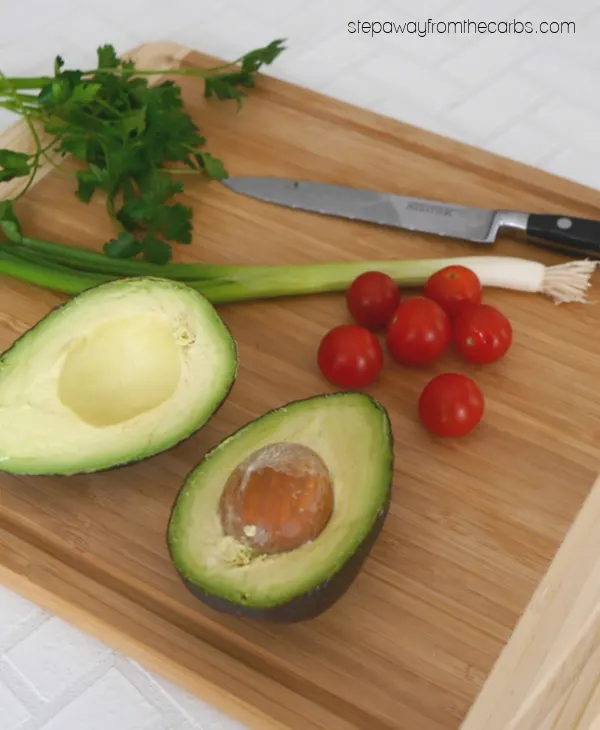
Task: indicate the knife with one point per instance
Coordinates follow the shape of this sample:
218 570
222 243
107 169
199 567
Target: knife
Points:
562 233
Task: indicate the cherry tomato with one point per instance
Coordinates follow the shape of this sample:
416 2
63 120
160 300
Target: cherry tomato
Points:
454 288
350 356
419 332
482 334
451 405
372 299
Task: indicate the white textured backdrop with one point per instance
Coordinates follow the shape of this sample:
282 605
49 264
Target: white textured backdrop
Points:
532 97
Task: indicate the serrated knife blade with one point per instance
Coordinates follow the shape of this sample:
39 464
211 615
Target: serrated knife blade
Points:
477 225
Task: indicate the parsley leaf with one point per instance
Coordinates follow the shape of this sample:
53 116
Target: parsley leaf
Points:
9 223
124 246
213 166
59 62
155 250
88 180
14 164
221 87
107 57
253 61
86 185
177 223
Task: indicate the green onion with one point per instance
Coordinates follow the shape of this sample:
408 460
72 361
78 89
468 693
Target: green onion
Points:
71 270
83 260
563 282
58 279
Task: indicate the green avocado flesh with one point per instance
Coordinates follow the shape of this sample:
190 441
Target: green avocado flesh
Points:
351 433
118 373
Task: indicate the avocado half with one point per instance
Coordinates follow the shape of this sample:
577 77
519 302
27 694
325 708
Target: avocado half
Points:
116 374
351 432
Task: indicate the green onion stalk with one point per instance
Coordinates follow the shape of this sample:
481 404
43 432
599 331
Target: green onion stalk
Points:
71 270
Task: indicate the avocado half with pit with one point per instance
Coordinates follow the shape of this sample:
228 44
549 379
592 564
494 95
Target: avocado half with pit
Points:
116 374
277 520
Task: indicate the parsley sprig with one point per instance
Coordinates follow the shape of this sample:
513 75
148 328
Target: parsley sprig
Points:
133 140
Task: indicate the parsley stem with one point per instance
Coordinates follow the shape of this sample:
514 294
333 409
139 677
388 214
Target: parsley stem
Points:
32 98
38 145
200 72
25 83
28 98
12 106
110 209
182 171
21 83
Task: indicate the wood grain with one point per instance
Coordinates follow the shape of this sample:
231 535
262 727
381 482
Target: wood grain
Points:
473 525
548 675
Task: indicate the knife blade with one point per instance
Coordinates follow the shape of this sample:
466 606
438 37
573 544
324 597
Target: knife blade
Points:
560 232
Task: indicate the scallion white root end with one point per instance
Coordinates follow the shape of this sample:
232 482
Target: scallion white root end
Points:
568 282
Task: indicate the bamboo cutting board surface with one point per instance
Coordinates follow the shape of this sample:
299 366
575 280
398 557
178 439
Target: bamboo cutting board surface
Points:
473 524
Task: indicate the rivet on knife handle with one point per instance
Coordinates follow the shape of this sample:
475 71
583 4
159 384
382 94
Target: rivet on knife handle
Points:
572 235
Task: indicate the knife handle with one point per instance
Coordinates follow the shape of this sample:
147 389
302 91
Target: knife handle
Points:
564 233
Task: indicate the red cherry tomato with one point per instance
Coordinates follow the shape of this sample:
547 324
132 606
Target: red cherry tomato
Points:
482 334
372 299
350 356
451 405
419 332
454 288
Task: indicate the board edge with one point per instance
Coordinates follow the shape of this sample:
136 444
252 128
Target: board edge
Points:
148 657
557 603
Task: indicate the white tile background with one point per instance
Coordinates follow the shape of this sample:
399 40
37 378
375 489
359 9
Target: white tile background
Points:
533 98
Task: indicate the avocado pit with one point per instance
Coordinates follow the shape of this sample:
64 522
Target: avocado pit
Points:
278 499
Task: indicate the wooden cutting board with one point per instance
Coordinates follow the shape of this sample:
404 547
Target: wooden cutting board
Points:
473 524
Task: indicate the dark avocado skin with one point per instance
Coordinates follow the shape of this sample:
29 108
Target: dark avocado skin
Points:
306 606
127 462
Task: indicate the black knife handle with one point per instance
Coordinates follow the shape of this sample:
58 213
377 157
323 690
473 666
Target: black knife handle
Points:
565 233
